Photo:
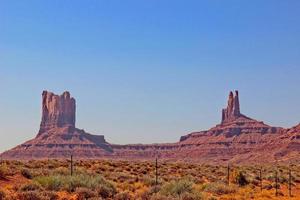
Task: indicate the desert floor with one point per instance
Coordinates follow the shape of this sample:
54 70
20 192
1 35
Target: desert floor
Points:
118 180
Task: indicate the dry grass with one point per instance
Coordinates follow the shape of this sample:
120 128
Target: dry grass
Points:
112 179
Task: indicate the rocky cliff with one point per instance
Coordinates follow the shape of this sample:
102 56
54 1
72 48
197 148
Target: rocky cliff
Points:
57 111
237 139
232 111
58 137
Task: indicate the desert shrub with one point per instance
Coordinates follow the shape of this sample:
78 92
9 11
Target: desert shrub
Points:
182 189
70 183
149 193
176 188
36 195
85 193
241 179
191 196
50 182
147 180
3 171
49 195
219 188
60 171
123 196
30 187
106 190
26 173
30 195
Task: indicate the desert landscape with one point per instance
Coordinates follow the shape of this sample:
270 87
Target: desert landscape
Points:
149 100
145 180
241 158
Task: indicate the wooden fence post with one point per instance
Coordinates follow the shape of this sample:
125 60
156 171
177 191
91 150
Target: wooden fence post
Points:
290 182
276 182
71 165
228 174
156 172
260 179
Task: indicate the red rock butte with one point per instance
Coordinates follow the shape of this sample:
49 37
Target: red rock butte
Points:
237 139
57 111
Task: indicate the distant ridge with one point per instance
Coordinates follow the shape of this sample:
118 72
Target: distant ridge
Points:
237 139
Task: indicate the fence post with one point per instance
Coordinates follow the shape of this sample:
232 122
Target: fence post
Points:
260 179
156 172
276 182
71 165
290 182
228 174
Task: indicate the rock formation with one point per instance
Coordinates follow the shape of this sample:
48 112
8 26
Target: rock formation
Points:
57 111
237 139
58 137
232 111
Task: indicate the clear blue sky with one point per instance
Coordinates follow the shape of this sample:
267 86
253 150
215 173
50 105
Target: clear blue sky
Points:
147 71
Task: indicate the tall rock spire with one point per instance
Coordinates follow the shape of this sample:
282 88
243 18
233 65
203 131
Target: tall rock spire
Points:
233 108
57 111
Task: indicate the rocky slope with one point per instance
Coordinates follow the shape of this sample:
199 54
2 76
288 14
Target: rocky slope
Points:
237 139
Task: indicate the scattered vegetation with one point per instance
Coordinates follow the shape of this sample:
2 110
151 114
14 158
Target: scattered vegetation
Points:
181 189
71 183
220 188
126 180
3 171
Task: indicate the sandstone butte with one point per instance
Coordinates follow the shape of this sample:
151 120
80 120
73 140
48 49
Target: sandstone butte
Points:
237 139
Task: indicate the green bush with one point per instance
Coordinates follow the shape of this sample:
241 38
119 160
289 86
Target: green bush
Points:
50 182
176 188
219 188
70 183
182 189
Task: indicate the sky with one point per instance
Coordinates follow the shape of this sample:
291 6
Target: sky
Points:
148 71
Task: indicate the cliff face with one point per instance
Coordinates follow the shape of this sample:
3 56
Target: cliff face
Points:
58 137
237 139
57 111
232 111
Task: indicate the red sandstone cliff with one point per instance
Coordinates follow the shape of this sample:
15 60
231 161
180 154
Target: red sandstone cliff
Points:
58 137
57 111
237 139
